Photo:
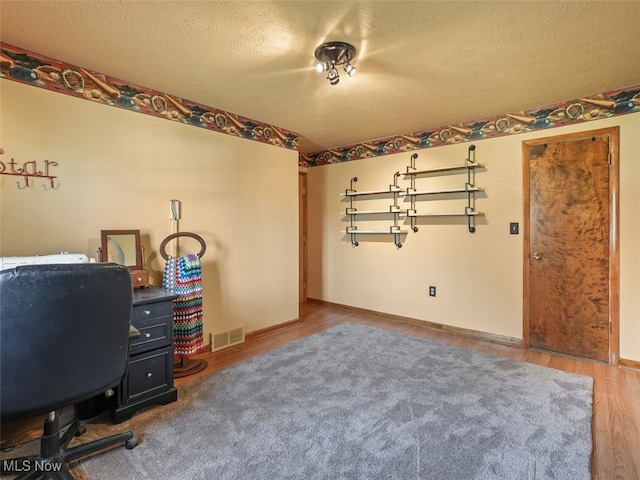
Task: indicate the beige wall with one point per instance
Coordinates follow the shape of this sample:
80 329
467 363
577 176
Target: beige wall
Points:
118 170
478 276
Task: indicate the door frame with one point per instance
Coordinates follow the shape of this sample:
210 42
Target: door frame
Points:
302 236
614 231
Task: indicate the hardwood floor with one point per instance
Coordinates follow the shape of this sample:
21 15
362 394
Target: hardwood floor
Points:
616 396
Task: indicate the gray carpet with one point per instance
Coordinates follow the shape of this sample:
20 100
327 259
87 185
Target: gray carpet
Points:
356 402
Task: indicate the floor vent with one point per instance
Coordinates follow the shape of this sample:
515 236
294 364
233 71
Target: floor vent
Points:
227 338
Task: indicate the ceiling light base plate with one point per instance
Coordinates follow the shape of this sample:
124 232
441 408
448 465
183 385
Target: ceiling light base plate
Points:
335 53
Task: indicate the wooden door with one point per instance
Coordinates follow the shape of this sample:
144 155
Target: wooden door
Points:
570 244
302 236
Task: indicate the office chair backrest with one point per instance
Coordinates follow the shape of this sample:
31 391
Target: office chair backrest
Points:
64 335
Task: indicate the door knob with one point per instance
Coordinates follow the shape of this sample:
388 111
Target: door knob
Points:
537 256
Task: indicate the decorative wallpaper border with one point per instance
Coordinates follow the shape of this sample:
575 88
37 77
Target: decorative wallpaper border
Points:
37 70
30 68
605 105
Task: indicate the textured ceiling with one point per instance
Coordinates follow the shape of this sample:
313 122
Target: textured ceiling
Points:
421 64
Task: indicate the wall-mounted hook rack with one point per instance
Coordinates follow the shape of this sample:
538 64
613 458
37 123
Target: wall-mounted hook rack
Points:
28 171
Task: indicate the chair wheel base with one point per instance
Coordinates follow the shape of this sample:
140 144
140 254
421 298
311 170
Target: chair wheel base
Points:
131 443
54 451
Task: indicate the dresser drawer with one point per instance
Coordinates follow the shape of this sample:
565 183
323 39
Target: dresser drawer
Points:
149 377
154 333
151 310
149 372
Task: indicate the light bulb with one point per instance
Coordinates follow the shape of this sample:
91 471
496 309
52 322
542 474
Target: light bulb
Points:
333 76
350 69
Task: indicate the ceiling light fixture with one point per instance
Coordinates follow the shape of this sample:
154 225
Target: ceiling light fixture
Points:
332 54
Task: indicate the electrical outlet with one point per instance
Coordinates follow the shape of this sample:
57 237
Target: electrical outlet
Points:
432 291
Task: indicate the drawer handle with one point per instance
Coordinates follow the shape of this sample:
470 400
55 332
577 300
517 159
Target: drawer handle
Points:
147 335
147 312
149 375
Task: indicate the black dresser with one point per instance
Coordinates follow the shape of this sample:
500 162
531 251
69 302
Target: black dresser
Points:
149 379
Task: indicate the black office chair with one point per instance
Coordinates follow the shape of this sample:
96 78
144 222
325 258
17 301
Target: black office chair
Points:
64 338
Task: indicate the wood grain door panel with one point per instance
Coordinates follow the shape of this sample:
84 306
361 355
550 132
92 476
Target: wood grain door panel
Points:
569 254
